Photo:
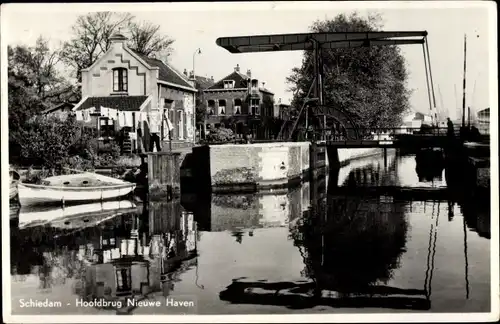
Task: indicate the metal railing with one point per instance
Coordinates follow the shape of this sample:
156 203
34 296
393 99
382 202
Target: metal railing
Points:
376 133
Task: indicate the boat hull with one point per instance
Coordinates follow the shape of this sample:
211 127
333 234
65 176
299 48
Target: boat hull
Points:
74 216
13 190
42 195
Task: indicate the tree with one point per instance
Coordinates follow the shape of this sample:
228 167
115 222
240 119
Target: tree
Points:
90 39
367 82
33 81
145 39
92 33
34 84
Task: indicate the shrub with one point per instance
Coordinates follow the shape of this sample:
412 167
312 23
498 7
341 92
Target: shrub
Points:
45 141
221 135
57 144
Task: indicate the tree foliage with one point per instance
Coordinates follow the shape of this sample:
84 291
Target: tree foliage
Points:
34 82
368 82
47 141
92 33
221 134
146 39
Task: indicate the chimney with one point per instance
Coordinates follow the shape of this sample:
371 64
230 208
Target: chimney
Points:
249 74
185 72
263 84
117 39
237 68
279 101
192 79
212 78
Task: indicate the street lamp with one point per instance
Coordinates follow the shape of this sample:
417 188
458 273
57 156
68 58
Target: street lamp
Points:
198 51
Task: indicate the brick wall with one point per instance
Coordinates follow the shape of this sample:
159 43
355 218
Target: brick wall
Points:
229 212
256 163
179 109
233 164
229 96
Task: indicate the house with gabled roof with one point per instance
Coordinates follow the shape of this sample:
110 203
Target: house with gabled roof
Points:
127 81
240 98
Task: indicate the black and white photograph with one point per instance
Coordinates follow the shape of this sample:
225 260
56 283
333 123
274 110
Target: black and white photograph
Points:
228 161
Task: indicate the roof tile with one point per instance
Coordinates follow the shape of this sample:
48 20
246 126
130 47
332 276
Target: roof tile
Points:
167 73
240 81
122 103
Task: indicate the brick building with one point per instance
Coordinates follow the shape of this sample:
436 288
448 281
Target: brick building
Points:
136 85
237 101
201 83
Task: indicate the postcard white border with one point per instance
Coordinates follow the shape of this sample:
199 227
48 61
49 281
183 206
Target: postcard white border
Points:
10 9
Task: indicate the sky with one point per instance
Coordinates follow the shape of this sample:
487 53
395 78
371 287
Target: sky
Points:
198 25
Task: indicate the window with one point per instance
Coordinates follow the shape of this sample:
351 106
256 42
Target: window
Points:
211 107
228 84
180 123
255 84
120 80
222 107
123 280
255 107
106 127
237 106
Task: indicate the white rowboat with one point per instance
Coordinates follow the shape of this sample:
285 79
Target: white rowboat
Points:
74 188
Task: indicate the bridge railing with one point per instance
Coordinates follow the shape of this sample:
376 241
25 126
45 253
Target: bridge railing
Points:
378 133
369 134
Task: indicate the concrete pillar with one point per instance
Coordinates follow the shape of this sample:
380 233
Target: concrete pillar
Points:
333 157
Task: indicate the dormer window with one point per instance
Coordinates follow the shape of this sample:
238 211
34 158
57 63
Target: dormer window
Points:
120 80
228 84
255 84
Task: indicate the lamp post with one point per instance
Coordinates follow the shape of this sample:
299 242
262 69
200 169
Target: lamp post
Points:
198 51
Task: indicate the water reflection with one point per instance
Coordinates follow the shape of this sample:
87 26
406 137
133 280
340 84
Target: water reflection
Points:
350 248
128 255
299 248
430 165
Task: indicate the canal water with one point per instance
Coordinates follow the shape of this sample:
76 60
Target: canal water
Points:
315 248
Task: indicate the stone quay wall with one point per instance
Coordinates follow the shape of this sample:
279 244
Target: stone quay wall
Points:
241 167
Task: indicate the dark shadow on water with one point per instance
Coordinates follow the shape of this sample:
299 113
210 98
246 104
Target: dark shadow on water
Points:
429 165
350 246
295 295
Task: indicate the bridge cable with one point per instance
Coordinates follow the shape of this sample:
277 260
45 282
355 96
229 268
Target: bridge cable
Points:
427 77
309 62
301 110
430 75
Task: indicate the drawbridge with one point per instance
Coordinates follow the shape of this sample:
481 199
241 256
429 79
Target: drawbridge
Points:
315 120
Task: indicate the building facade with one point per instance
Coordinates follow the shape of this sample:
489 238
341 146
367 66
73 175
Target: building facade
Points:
483 121
125 82
201 84
237 101
281 110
